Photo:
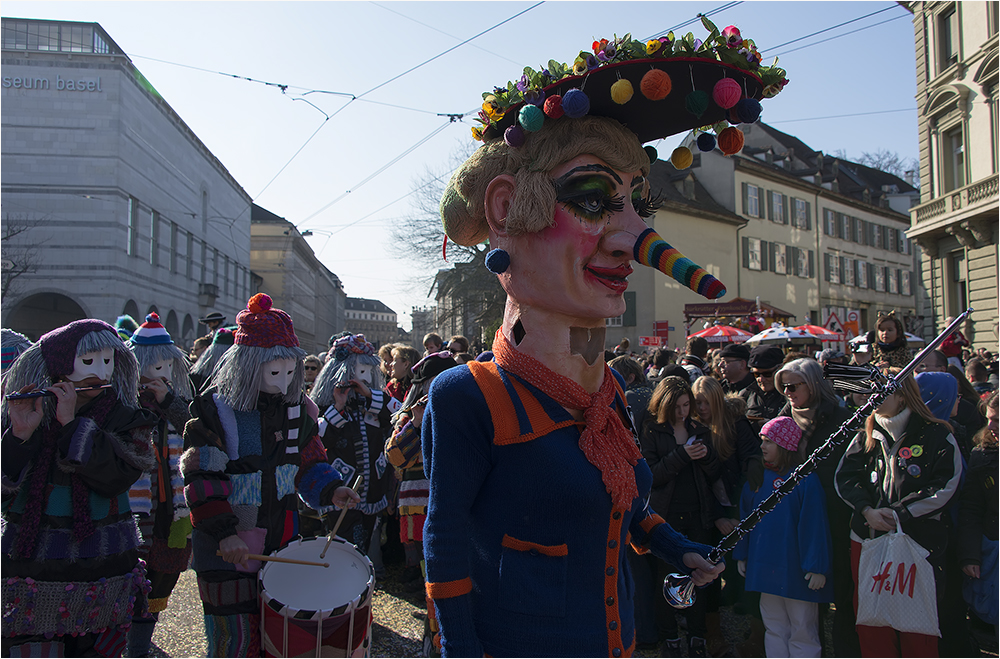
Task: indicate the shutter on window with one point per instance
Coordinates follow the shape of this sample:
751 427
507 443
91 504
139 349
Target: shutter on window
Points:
785 210
765 250
826 267
746 205
843 269
770 205
746 241
628 318
812 265
808 216
789 263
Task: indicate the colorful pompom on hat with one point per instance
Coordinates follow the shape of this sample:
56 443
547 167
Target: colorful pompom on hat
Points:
261 326
126 326
151 333
659 88
224 336
784 432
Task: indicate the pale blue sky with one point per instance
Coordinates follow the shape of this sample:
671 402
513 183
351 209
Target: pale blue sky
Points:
354 47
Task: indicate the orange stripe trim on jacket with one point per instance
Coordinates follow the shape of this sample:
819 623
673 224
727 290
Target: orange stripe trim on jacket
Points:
446 589
501 406
524 545
651 522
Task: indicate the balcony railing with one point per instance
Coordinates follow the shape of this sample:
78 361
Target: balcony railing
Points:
974 194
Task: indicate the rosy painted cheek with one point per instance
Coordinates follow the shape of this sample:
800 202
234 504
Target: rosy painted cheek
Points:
572 230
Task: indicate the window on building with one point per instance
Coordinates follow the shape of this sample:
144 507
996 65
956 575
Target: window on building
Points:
893 280
778 207
832 267
174 236
953 159
204 262
779 258
752 200
613 322
844 226
862 275
802 262
829 222
947 33
904 283
958 293
847 271
154 238
858 232
875 235
802 212
189 256
879 278
132 241
752 256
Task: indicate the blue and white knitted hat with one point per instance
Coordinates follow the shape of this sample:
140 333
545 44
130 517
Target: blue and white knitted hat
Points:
151 333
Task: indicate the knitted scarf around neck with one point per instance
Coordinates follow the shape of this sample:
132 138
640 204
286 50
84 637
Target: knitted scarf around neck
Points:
605 441
38 492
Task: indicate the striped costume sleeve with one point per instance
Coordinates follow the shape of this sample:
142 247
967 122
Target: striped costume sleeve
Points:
402 449
206 483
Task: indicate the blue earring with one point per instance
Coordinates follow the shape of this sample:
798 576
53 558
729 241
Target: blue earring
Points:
497 261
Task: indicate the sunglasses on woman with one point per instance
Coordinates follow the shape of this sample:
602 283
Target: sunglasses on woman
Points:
789 388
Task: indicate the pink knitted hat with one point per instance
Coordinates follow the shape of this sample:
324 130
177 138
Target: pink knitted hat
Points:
263 327
783 431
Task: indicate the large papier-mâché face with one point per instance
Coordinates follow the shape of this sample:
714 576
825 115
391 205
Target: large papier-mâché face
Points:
579 266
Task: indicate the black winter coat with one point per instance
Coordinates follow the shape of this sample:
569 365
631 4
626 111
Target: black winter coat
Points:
666 459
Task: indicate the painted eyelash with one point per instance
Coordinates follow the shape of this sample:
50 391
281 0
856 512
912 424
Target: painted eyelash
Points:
607 203
647 206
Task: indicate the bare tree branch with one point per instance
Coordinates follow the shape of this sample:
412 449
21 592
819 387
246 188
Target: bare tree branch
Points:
20 250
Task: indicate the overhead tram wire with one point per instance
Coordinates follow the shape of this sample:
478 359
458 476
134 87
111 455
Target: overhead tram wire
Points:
690 21
834 27
816 43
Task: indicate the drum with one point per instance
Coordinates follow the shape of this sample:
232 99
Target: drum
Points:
309 611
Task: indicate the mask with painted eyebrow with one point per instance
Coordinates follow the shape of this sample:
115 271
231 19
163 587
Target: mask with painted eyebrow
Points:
589 196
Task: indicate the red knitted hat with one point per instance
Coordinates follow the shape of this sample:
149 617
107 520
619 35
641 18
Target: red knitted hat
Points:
263 327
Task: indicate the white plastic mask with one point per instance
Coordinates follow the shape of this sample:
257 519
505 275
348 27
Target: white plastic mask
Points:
277 376
363 373
161 369
99 365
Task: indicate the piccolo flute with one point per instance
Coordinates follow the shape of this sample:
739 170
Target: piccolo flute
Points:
46 392
678 589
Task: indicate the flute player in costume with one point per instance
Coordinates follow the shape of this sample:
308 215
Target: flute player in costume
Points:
536 481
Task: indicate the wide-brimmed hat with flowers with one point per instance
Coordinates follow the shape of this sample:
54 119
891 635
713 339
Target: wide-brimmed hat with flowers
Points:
658 88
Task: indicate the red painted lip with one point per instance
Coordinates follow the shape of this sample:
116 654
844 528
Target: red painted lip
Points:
614 278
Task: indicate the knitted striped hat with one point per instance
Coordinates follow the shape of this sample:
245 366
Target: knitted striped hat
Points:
263 327
12 344
151 333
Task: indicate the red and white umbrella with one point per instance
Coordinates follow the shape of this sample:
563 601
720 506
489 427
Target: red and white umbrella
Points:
821 333
723 334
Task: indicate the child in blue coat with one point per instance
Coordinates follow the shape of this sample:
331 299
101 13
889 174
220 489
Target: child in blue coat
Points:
786 556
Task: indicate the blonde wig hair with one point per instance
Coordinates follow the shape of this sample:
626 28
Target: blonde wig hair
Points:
463 206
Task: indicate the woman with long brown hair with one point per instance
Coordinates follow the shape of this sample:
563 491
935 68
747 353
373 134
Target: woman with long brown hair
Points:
904 465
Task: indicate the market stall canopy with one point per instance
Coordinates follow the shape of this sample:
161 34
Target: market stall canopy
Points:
722 334
781 336
737 307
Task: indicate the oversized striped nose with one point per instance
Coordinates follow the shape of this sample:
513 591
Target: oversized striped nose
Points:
652 250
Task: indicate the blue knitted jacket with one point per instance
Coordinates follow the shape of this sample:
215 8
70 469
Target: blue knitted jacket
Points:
525 553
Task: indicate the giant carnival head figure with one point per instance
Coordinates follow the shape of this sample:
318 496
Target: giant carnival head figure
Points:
87 353
350 358
265 358
158 357
560 186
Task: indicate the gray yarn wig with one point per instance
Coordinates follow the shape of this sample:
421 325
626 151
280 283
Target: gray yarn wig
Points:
240 373
179 365
205 366
30 368
341 370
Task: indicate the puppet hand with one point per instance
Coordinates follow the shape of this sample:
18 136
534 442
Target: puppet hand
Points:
25 414
65 402
816 581
362 388
704 572
159 389
345 497
234 550
742 567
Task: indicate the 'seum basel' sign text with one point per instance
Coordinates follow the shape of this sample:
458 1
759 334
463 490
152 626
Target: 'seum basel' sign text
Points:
59 84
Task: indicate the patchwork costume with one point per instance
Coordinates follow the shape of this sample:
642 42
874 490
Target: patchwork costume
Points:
242 470
71 569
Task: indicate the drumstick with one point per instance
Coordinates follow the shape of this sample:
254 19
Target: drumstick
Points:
278 559
343 511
